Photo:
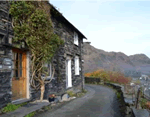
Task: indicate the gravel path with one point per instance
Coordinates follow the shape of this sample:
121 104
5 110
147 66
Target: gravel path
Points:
100 101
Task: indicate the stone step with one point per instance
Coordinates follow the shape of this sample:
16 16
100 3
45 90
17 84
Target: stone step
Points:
21 101
140 112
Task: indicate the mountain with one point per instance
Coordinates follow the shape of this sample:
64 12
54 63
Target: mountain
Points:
133 65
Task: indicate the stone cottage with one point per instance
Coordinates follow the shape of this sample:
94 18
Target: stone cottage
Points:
14 62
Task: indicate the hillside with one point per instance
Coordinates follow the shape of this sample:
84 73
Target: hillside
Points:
133 65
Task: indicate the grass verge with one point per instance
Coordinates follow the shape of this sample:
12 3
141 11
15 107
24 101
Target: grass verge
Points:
11 107
79 94
30 114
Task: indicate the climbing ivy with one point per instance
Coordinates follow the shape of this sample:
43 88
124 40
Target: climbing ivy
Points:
31 22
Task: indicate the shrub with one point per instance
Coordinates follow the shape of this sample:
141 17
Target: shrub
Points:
143 103
109 76
118 95
148 105
31 114
71 94
84 91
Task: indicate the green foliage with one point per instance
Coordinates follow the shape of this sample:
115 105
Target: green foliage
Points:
47 108
104 76
143 102
71 94
31 114
118 95
84 91
11 107
109 76
80 94
32 25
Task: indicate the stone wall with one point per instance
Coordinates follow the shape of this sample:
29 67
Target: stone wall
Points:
92 80
125 110
58 84
5 56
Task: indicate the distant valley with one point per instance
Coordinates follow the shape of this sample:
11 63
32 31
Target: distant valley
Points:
133 65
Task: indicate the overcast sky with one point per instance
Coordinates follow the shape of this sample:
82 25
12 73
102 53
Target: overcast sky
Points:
111 25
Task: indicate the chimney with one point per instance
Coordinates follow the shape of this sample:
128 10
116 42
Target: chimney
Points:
88 43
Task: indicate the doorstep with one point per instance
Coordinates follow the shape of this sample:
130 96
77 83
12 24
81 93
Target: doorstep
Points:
26 109
20 101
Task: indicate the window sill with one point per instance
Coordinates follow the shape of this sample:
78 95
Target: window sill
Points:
68 87
76 45
77 75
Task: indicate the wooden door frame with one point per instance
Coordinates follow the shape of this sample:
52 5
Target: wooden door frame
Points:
28 75
25 73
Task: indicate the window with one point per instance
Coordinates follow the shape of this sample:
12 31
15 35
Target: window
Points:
77 65
75 38
1 39
17 58
48 69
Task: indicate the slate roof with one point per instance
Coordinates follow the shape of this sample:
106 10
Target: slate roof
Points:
64 20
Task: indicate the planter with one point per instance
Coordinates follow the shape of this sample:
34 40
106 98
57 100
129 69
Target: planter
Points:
51 99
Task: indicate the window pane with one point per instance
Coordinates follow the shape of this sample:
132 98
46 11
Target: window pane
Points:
16 73
76 65
17 58
50 70
20 66
75 38
16 65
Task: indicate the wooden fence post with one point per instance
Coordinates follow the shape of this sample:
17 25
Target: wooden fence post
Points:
137 98
132 94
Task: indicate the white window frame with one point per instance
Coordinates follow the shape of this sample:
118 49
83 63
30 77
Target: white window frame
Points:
76 41
76 65
68 72
50 69
49 66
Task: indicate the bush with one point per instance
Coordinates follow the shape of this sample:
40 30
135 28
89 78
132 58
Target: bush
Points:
109 76
31 114
84 91
71 94
148 105
118 95
143 103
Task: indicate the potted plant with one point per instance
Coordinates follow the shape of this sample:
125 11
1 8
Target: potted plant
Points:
51 97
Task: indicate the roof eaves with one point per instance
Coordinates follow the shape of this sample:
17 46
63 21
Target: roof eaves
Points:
68 21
